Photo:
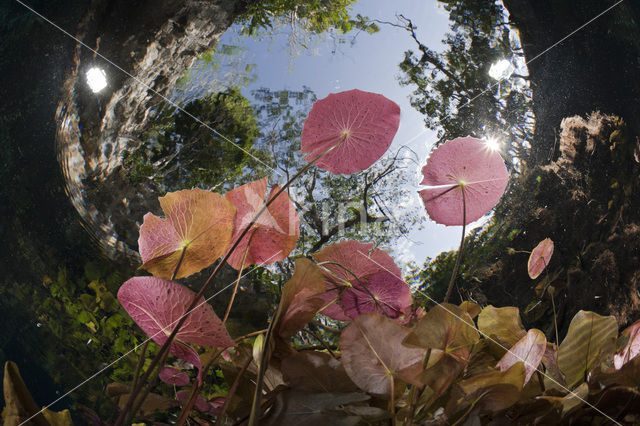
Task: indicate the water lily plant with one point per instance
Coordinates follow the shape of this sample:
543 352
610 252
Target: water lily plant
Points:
464 179
392 362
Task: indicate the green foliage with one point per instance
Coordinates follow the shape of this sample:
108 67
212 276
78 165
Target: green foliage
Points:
453 89
177 151
482 244
314 15
86 314
220 68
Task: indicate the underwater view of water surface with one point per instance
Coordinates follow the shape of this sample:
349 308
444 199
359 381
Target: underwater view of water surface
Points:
320 212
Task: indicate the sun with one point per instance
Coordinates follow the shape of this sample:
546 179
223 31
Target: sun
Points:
492 144
96 79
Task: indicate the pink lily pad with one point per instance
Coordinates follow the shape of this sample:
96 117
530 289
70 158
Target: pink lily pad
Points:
462 165
216 404
360 125
345 262
539 258
274 234
173 376
156 305
201 404
529 350
382 292
631 349
197 220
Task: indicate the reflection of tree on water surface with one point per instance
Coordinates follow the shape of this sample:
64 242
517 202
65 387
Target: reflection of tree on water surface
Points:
46 291
93 129
96 129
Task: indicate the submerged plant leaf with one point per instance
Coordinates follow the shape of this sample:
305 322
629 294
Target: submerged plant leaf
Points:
462 164
294 407
360 125
20 406
201 404
473 309
197 220
528 350
570 401
315 371
539 258
299 303
216 404
372 353
173 376
450 333
494 391
590 338
381 292
502 325
156 305
631 349
275 232
350 265
627 375
153 403
446 328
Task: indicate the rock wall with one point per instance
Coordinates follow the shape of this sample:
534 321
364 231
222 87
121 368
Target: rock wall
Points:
144 49
587 203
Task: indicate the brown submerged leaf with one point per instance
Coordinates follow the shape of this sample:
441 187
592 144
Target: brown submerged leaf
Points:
591 338
315 371
450 333
20 406
294 408
494 391
298 305
373 353
502 325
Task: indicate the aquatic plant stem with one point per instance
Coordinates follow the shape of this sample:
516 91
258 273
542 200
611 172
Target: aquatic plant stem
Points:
413 400
136 382
136 375
186 410
553 303
323 343
175 271
392 402
256 411
235 288
232 391
141 398
165 347
253 333
555 320
413 395
196 389
459 257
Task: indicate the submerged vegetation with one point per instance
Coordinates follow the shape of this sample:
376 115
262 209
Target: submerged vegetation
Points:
389 359
349 341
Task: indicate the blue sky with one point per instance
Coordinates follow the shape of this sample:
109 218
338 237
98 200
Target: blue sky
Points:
370 64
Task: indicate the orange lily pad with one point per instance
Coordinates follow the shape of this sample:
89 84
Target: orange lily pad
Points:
197 222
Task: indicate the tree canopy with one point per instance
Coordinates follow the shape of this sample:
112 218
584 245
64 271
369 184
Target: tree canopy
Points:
454 89
178 151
